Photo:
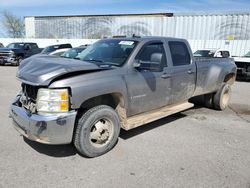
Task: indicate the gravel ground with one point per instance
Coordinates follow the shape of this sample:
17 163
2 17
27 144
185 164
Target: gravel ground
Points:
196 148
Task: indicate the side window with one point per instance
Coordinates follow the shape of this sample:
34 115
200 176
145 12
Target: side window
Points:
179 53
225 54
153 53
34 46
27 47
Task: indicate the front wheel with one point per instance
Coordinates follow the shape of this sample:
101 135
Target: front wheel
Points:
18 61
97 131
222 97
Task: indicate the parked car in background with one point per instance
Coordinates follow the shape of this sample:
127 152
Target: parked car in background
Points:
212 52
59 52
243 66
1 45
49 49
117 83
73 52
14 53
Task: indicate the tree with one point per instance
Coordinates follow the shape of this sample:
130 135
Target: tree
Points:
13 25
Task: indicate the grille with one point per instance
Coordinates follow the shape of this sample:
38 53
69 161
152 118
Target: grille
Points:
30 91
5 54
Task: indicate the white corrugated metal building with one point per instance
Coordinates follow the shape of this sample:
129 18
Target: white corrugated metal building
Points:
213 30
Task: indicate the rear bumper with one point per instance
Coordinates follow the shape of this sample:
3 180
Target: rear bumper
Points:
52 129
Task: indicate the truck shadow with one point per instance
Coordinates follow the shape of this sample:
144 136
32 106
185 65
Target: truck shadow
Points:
147 127
242 79
69 149
52 150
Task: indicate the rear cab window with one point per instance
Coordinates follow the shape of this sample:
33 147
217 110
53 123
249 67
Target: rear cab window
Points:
179 53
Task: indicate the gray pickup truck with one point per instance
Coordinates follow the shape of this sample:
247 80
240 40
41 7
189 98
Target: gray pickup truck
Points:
115 83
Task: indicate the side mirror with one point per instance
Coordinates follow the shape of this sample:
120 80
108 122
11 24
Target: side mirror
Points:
147 65
137 63
153 65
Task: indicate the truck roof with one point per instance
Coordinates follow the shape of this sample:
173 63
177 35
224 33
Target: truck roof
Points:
143 38
23 42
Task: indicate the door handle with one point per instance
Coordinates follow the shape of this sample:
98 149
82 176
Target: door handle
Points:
190 72
165 75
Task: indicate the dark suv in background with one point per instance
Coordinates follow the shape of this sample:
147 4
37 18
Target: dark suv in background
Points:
14 53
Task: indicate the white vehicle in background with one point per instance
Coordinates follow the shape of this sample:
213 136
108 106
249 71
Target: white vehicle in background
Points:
243 66
213 52
59 52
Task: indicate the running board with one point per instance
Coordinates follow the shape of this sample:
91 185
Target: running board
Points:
147 117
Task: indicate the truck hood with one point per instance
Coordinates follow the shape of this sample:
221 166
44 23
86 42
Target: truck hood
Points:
40 70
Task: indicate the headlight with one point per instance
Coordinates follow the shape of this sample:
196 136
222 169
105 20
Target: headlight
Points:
52 100
12 54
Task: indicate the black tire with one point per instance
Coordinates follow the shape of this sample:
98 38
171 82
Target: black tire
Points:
105 119
18 61
208 100
222 97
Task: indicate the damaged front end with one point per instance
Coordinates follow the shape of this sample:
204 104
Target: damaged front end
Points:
49 128
41 113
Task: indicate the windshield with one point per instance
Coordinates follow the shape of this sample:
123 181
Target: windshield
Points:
15 45
248 54
49 49
204 53
72 53
108 52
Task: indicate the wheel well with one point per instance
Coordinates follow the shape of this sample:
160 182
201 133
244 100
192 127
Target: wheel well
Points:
20 55
230 78
114 100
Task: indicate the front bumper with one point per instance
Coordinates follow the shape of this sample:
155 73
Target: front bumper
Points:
52 129
7 60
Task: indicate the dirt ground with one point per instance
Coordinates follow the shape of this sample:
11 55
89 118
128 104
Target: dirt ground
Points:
196 148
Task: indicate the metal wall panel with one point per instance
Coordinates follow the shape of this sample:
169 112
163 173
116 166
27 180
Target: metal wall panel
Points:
213 27
193 27
97 27
227 30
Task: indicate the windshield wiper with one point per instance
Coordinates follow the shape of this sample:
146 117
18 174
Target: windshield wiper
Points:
100 63
93 60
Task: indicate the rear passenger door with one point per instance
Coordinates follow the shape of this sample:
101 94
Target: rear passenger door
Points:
182 71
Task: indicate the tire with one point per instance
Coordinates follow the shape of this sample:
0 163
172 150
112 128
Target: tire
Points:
91 142
208 100
222 97
19 59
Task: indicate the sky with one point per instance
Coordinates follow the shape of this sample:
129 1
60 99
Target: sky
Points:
24 8
79 7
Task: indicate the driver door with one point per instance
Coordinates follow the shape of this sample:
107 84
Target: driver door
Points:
148 87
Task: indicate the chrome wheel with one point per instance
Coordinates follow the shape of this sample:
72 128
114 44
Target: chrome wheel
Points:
226 97
101 132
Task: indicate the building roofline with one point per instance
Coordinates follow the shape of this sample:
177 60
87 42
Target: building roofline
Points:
101 15
201 13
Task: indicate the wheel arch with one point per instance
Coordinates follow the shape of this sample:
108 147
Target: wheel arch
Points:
229 78
114 100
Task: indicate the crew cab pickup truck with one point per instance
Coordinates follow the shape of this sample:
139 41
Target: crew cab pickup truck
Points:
14 53
116 83
243 66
